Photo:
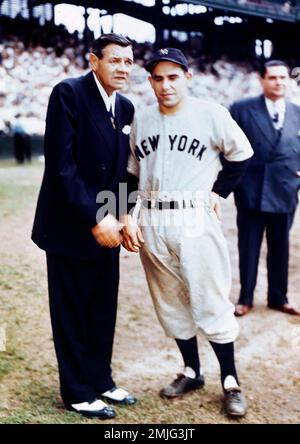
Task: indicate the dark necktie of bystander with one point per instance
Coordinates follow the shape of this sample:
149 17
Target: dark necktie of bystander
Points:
275 118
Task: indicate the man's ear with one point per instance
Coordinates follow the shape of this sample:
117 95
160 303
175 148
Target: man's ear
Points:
189 75
150 80
93 61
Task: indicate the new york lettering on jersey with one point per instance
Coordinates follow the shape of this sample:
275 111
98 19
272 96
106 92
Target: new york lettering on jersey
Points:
181 143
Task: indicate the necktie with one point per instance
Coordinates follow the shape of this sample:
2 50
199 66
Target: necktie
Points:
112 119
275 117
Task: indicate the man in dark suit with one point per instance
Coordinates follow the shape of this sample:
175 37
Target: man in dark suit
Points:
266 198
86 152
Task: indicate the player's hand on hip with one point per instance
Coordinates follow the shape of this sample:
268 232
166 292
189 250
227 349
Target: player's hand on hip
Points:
132 236
215 204
108 232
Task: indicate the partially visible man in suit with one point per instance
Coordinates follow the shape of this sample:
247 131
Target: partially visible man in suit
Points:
86 152
266 198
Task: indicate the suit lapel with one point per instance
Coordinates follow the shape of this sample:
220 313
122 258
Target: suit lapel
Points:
98 111
263 120
290 121
101 119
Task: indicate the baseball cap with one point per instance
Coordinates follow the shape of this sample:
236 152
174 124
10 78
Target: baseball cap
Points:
167 54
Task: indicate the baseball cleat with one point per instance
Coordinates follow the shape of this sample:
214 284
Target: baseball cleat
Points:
181 385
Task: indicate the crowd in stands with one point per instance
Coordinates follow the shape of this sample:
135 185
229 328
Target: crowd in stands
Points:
280 6
29 70
285 5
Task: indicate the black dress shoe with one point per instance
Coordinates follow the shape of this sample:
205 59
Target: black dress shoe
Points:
285 308
118 396
102 413
181 385
234 402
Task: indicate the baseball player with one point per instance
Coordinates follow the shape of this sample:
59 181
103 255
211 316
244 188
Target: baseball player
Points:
175 154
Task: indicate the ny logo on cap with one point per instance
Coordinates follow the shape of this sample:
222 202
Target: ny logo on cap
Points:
163 51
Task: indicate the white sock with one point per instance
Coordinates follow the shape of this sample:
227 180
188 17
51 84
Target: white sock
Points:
189 372
230 383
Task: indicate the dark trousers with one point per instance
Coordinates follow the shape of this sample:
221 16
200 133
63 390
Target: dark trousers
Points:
22 147
83 305
251 226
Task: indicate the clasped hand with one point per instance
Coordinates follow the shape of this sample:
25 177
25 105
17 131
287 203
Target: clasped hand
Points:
111 233
108 232
132 236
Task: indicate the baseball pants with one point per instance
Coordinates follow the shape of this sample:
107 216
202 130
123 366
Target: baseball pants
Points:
187 266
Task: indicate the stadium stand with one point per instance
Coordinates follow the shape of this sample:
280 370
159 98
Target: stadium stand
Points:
34 58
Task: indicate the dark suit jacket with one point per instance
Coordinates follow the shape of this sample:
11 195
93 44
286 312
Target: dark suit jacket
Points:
83 156
270 183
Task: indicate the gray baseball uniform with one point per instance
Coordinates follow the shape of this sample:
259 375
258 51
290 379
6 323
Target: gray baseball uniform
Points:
185 256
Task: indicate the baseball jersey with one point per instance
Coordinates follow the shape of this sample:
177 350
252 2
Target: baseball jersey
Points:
180 152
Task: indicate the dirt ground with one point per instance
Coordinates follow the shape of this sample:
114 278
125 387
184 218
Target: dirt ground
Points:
267 349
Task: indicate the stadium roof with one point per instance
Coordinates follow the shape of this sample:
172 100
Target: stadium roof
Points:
214 30
275 9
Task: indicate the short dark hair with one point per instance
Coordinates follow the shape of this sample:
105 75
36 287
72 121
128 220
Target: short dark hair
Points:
107 39
265 66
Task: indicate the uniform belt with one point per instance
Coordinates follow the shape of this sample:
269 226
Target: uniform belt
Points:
167 204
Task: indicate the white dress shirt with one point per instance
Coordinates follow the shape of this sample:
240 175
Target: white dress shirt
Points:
276 107
110 101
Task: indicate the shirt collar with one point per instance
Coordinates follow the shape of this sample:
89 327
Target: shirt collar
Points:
278 106
110 101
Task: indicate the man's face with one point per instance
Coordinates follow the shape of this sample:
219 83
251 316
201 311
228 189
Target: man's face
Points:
275 82
113 69
169 83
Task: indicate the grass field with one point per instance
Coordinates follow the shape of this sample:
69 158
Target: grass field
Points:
144 360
